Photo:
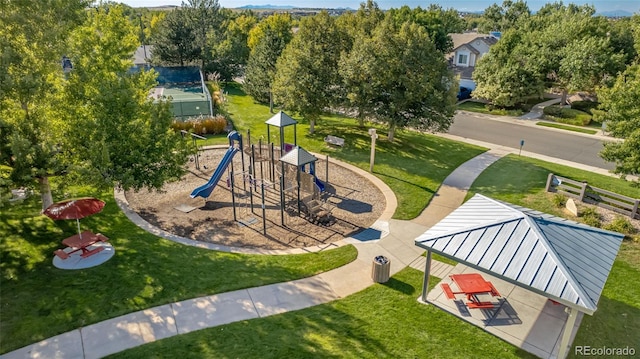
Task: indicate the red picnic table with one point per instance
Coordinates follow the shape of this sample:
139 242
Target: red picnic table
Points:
471 285
82 242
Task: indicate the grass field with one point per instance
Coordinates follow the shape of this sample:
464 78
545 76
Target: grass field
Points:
521 181
39 301
413 166
567 127
481 107
387 321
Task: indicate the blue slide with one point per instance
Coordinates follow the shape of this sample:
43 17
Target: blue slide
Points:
319 184
205 190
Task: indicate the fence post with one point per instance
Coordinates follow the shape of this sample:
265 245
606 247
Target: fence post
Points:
634 212
583 191
549 181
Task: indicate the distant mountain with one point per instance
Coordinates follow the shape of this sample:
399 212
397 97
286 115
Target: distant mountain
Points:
268 6
615 13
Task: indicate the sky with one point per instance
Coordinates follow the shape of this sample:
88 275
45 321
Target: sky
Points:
462 5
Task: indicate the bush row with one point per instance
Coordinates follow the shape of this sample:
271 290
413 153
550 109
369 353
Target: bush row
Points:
202 126
584 106
567 115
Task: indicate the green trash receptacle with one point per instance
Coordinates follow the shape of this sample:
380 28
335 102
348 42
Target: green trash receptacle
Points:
380 269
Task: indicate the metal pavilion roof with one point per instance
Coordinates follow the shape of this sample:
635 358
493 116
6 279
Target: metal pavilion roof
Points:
281 119
298 156
561 259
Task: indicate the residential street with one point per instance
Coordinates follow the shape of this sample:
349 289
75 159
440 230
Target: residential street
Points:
508 131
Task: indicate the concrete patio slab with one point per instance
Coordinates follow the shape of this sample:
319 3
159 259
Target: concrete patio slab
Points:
76 261
205 312
128 331
523 318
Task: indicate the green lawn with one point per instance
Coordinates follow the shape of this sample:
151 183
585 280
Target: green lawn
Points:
482 107
413 166
567 127
40 301
382 321
521 181
387 321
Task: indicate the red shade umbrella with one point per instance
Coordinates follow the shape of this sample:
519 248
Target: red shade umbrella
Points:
74 209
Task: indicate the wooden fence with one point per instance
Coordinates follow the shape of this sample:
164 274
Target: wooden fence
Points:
593 195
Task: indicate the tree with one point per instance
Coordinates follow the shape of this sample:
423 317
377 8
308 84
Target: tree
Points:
267 41
307 71
619 111
205 18
358 28
114 135
32 37
404 78
438 23
509 73
175 42
505 17
565 47
230 53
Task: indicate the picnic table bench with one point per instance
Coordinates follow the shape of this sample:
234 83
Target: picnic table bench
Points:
333 140
471 285
82 242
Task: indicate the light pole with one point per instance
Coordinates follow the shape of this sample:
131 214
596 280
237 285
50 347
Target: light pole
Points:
144 47
374 136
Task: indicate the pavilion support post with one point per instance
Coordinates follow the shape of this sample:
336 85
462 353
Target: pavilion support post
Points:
563 350
427 273
295 135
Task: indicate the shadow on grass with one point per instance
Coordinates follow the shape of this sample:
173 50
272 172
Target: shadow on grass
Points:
40 301
402 287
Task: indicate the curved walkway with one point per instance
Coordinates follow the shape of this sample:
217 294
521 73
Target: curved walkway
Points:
396 241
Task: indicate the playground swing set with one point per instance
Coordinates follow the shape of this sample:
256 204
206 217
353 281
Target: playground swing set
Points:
286 177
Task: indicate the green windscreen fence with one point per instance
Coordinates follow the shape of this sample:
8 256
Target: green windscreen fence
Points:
185 88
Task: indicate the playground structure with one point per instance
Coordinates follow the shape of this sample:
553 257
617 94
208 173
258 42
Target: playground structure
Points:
283 177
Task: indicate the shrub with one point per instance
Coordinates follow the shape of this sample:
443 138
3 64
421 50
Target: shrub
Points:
552 110
202 126
567 115
559 200
584 106
590 217
621 225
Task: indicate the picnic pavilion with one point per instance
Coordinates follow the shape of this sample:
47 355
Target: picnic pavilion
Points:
549 270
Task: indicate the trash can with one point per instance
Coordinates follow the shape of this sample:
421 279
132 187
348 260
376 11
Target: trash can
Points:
380 269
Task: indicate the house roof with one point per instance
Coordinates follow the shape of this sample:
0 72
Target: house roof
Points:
281 119
464 38
468 38
564 260
467 46
298 157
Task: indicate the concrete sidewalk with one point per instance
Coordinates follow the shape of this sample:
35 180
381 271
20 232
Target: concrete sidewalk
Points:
396 242
537 110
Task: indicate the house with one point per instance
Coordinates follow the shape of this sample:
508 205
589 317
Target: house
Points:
468 48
